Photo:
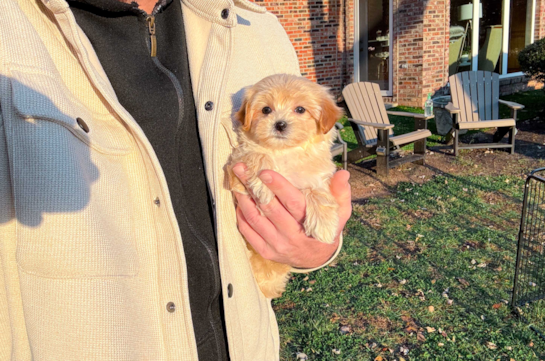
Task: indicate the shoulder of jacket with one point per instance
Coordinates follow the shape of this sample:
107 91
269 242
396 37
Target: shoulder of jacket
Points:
260 13
248 5
255 8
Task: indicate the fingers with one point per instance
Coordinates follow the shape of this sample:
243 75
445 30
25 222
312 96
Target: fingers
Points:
290 197
260 224
251 236
340 188
240 171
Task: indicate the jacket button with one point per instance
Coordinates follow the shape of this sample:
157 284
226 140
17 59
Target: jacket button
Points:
157 201
171 307
82 125
208 106
225 13
229 290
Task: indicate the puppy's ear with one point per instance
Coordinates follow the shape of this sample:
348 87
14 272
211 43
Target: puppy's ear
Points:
245 113
331 113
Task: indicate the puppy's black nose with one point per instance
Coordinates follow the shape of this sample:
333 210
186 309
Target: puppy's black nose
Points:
280 125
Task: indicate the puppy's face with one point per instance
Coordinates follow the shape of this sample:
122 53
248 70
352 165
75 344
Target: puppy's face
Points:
283 111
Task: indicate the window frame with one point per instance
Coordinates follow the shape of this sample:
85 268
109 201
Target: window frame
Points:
506 16
356 47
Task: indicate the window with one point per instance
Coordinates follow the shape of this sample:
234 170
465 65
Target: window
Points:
491 37
374 51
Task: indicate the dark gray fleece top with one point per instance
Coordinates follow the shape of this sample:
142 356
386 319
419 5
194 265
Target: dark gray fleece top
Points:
157 92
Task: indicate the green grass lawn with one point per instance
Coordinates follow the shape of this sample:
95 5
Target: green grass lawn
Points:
400 254
424 274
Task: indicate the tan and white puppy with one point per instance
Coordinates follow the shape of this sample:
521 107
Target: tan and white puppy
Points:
287 125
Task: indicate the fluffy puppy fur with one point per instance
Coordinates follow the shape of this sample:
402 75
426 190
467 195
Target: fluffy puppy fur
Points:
287 125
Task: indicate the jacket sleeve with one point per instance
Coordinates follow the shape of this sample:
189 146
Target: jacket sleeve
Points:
5 329
5 210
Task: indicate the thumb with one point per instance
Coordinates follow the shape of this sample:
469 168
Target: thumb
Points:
340 188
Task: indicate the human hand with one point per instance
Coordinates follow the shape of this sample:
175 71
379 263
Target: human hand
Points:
278 234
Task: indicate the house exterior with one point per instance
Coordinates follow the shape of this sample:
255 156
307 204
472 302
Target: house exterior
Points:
409 47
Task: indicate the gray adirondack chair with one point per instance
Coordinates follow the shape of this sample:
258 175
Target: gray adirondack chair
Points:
475 105
373 129
340 147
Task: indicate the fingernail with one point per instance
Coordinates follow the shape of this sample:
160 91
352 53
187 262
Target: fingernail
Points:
239 171
265 178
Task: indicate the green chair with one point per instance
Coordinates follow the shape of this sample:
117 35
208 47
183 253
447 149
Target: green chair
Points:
457 39
455 49
489 54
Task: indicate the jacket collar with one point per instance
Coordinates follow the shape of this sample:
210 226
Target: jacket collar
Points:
117 7
221 12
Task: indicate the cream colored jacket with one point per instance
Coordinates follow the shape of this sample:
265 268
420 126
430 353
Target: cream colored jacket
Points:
90 250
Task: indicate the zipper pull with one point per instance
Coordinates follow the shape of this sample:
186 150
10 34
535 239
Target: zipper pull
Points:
151 29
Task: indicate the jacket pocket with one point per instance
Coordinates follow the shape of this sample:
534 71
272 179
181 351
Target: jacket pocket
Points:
71 174
37 95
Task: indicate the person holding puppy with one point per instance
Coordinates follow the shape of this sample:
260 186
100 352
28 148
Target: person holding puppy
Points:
118 234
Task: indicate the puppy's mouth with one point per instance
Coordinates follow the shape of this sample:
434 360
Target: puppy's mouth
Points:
280 135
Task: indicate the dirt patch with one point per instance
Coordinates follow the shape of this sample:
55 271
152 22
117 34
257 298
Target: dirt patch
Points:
529 155
492 198
357 324
418 215
408 248
288 305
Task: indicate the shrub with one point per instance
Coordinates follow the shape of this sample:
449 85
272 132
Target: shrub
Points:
532 60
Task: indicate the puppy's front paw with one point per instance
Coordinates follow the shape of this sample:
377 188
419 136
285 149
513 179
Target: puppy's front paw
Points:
322 218
261 192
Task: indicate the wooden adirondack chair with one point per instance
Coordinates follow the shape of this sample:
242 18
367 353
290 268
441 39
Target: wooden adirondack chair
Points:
340 147
475 105
373 129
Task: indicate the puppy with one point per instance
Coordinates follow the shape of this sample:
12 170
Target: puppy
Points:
287 125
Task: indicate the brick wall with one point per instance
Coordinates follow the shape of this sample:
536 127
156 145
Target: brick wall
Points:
420 49
540 19
322 32
435 58
408 51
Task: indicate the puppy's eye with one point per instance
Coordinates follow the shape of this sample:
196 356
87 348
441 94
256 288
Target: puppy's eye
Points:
266 110
300 110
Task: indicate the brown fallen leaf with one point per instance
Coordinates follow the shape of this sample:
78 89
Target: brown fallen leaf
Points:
430 329
312 282
432 282
531 344
431 308
463 281
420 337
410 329
491 345
496 306
379 358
